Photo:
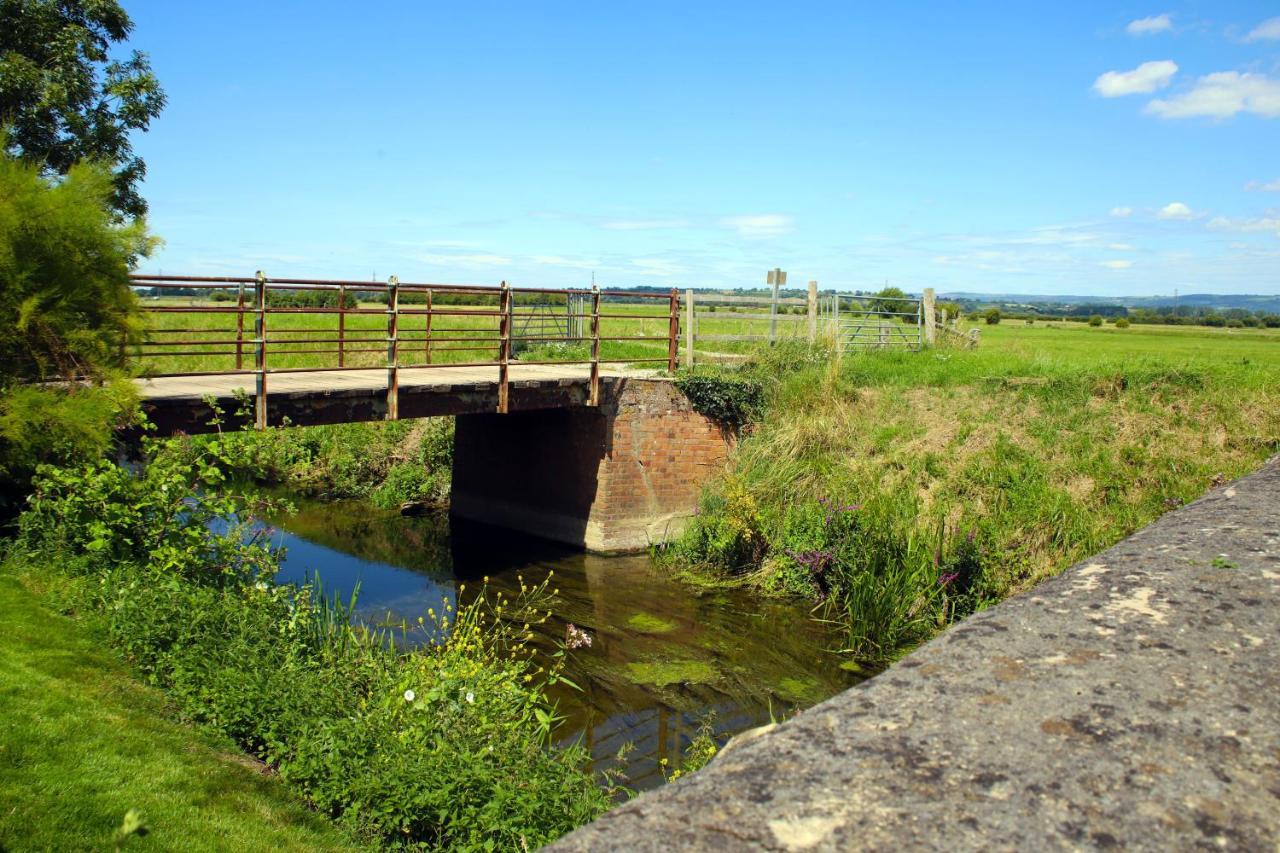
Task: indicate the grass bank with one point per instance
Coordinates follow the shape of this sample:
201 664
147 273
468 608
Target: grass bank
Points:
84 743
388 463
442 745
905 489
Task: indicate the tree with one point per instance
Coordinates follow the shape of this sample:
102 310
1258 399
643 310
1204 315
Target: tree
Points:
992 316
887 302
64 100
66 312
66 307
1095 320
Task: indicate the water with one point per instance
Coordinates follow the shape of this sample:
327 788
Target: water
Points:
665 656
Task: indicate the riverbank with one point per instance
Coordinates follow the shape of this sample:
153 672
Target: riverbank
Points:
902 491
1130 702
84 743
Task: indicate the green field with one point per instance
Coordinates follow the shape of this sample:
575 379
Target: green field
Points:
1045 444
84 743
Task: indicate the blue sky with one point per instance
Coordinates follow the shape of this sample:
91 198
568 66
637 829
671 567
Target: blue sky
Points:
1096 148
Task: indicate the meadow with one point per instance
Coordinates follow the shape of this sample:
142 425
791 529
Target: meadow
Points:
902 490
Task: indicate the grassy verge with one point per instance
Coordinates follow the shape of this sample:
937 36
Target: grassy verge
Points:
83 743
447 745
906 489
387 463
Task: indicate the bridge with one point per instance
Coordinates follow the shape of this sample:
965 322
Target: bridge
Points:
565 426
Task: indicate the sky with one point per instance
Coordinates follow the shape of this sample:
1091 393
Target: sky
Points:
1076 148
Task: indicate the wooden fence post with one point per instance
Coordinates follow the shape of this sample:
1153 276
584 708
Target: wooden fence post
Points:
240 326
689 334
673 331
427 345
928 308
260 350
504 347
776 279
813 311
342 325
393 349
595 345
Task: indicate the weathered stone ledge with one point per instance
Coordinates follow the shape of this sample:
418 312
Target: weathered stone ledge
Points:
1132 701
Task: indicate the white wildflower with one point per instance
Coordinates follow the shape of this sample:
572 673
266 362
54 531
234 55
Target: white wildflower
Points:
409 696
471 697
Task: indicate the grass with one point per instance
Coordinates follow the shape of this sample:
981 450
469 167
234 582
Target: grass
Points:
1046 444
84 743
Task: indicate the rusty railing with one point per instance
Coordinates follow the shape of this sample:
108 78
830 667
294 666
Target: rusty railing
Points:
477 318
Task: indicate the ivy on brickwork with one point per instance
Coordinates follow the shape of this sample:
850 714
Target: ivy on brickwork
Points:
732 401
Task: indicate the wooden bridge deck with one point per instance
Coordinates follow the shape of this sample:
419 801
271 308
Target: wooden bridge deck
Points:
180 403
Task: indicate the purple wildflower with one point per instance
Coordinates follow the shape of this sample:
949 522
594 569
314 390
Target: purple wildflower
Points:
576 638
945 580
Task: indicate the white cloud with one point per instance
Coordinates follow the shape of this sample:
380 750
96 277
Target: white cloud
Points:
1121 247
1175 210
1148 26
571 263
759 226
1121 211
474 260
1261 223
452 244
1268 30
1264 186
658 266
1144 79
644 224
1117 265
1222 95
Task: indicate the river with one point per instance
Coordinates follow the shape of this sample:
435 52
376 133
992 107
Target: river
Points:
665 656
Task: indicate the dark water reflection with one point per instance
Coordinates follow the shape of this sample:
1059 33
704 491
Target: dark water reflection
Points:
664 655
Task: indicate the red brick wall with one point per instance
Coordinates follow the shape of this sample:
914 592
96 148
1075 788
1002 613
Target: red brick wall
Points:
615 478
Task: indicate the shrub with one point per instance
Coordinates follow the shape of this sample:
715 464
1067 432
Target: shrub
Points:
1122 323
1095 320
727 399
1235 323
443 746
992 316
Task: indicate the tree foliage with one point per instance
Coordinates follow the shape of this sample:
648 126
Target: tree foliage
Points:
66 312
65 100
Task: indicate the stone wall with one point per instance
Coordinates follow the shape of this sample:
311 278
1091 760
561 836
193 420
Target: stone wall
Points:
1131 702
616 477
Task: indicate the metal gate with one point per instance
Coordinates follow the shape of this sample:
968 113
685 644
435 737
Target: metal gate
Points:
873 322
540 323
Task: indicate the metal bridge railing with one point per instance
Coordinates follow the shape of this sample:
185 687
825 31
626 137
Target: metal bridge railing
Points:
263 326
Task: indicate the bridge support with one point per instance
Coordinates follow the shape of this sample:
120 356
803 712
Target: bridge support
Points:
613 478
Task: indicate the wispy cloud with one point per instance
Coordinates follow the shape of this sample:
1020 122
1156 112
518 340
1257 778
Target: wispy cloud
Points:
1116 265
1149 26
644 224
1121 247
571 263
1268 30
661 267
1144 79
464 260
759 226
1264 186
1121 211
1222 95
1175 210
1260 223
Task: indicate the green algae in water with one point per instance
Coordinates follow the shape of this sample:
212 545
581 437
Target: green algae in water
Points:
662 673
647 623
805 691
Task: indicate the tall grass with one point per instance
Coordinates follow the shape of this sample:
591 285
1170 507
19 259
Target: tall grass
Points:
974 473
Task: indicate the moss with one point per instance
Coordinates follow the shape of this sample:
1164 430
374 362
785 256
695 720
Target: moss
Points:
662 673
802 691
647 623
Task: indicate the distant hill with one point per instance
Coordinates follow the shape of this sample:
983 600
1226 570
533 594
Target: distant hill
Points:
1218 301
